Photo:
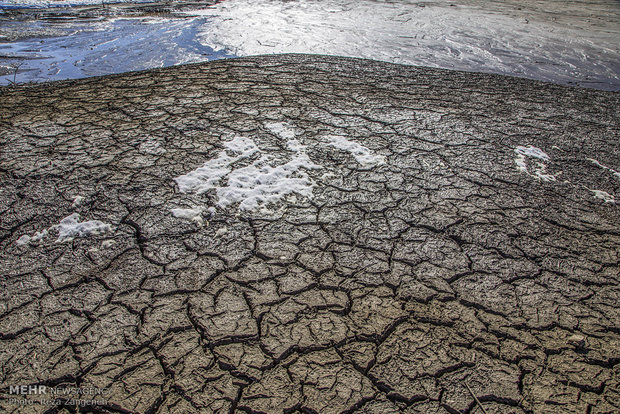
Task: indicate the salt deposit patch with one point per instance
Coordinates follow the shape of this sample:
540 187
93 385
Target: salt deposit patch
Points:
262 182
537 159
362 154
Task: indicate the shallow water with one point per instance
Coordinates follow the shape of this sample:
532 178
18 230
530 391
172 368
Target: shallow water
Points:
573 43
93 48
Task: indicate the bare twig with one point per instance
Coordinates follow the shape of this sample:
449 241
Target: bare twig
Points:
16 67
476 398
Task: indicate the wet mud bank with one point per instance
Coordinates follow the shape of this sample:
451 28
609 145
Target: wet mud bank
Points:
309 234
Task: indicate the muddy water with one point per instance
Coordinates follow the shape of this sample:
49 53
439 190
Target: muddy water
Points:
575 43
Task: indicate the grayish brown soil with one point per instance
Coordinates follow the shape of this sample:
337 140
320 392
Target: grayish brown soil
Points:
392 289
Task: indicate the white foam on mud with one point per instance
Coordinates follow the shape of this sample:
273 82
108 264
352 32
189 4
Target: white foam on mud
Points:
245 147
362 154
70 227
213 171
281 129
37 237
206 177
537 159
191 214
262 182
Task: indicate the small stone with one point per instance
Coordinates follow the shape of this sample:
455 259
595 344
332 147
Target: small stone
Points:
577 340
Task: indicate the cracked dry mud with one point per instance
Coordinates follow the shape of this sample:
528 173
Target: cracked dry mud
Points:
390 288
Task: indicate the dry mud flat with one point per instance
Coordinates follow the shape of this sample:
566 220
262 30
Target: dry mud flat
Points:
309 234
